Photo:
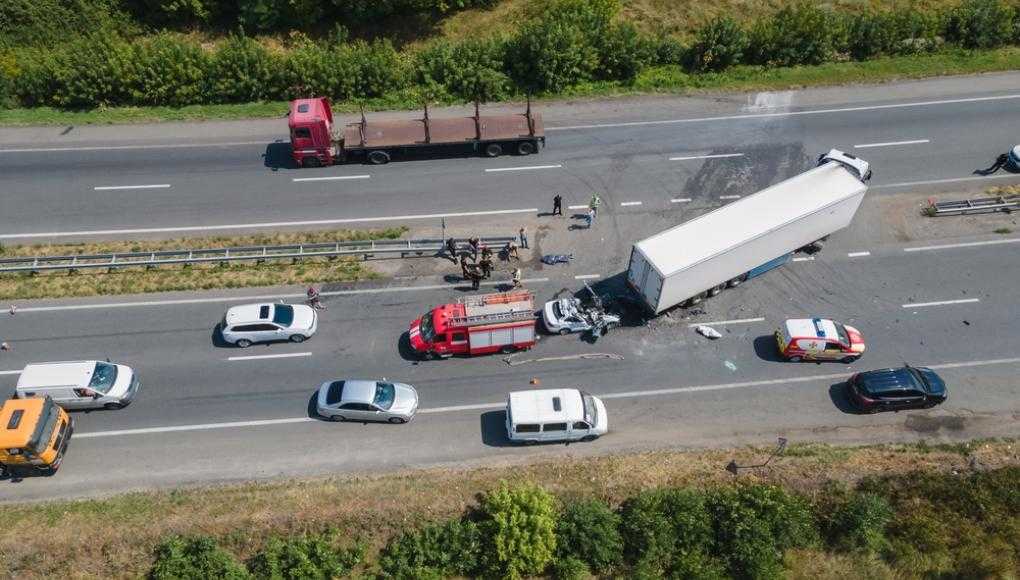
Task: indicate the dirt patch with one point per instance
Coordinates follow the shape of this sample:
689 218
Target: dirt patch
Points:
903 219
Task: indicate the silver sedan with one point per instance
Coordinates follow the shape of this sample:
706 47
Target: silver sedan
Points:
360 400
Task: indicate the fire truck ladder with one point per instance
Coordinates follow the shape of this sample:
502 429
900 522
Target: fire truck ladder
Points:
496 298
493 318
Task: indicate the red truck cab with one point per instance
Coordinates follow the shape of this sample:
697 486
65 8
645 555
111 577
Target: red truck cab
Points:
499 322
311 132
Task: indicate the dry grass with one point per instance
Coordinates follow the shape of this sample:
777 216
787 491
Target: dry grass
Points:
98 282
42 539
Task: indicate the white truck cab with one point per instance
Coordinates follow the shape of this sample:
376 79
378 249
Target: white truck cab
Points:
555 415
80 384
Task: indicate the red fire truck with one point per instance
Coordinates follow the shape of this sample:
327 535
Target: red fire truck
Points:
484 324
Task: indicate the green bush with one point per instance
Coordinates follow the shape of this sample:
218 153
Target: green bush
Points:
177 13
647 534
94 71
379 68
588 530
718 45
981 24
550 55
169 71
743 539
622 52
905 31
450 549
241 71
800 33
305 557
518 527
669 530
8 72
466 70
180 558
569 568
47 23
859 524
669 50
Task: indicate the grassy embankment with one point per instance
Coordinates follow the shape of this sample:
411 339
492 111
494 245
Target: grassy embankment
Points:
98 282
44 540
655 80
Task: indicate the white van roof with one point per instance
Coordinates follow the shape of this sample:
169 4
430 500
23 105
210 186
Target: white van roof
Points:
541 406
57 374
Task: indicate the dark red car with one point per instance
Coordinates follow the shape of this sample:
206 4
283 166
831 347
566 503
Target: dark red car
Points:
896 389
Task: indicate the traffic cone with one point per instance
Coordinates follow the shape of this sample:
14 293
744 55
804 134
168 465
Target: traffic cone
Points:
534 382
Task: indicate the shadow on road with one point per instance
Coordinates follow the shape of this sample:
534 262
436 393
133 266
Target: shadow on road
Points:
766 349
312 410
493 426
840 398
217 337
277 156
404 348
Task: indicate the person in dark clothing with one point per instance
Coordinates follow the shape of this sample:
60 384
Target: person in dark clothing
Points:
474 242
1000 162
451 248
486 266
476 278
557 205
486 253
464 265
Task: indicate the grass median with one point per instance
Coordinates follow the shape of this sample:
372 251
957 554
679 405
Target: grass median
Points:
654 80
43 540
136 280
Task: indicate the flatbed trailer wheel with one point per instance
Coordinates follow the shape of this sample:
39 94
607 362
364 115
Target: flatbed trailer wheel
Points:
525 148
493 150
378 158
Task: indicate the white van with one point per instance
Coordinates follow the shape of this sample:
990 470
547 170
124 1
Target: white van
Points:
80 384
555 415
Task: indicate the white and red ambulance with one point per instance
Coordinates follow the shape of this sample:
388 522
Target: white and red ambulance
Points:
819 339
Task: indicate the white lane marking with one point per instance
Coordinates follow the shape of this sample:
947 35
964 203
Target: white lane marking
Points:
262 225
938 181
528 168
587 276
786 113
891 143
114 187
264 297
680 200
962 245
629 203
577 207
725 322
502 404
127 147
719 156
729 197
262 356
857 254
941 303
804 259
10 372
332 178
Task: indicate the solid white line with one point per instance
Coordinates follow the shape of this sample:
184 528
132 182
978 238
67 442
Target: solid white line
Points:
963 245
587 276
725 322
891 143
729 197
498 169
938 181
786 113
941 303
260 298
10 372
263 225
127 147
857 254
719 156
629 203
577 207
501 404
804 259
332 178
680 200
262 356
113 187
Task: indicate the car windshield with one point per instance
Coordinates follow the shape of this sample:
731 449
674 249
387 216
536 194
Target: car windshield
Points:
385 393
556 310
932 382
283 314
428 332
842 333
103 377
590 411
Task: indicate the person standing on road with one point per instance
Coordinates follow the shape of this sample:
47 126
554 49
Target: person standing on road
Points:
1000 162
486 266
511 251
590 216
594 203
517 278
476 278
451 248
523 233
474 242
464 265
557 205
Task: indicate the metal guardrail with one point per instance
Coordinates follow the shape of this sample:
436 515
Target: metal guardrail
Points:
366 248
968 206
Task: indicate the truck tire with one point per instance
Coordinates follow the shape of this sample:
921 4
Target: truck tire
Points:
378 158
694 300
716 290
507 349
525 148
311 162
737 281
493 150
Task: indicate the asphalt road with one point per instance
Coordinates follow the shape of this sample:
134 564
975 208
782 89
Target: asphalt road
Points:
145 181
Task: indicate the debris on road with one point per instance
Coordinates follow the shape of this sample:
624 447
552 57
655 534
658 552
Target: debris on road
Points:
708 332
594 355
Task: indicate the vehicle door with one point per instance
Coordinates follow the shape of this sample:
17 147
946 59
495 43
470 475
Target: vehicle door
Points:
458 341
580 430
358 411
267 332
833 350
910 399
811 347
555 431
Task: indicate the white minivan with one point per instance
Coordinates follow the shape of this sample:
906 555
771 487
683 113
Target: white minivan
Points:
80 384
555 415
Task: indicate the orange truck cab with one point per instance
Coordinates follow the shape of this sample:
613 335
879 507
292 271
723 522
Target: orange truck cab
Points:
819 339
311 132
33 435
499 322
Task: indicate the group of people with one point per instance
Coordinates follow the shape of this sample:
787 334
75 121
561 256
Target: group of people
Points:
593 208
480 269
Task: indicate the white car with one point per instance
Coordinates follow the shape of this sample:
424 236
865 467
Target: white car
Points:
555 415
245 325
567 315
80 384
359 400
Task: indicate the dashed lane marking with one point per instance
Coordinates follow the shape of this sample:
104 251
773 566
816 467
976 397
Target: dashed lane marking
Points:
941 303
962 245
262 356
587 276
804 259
680 200
629 203
718 156
118 187
857 254
725 322
729 197
332 178
530 167
891 143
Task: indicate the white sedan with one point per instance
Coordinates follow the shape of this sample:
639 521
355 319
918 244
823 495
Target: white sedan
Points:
360 400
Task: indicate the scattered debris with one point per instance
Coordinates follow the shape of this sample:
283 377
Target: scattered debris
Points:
511 362
729 365
708 332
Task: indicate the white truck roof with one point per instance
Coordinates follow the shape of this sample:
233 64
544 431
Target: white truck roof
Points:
540 406
692 242
57 374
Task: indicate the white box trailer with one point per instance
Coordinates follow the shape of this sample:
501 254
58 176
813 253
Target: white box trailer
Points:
748 237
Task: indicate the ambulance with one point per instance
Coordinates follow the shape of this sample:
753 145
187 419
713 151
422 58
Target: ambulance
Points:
819 339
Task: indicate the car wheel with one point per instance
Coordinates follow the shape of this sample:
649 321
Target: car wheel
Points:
243 343
113 406
336 418
564 331
507 349
397 420
794 359
297 338
849 359
589 438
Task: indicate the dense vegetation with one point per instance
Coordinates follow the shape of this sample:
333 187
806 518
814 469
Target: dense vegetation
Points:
571 42
920 524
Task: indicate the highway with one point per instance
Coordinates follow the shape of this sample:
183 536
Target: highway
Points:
210 413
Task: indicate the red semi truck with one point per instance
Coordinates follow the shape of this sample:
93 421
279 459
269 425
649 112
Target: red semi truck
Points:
317 141
500 322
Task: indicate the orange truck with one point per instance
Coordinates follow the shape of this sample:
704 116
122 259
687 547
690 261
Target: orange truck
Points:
34 434
500 322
